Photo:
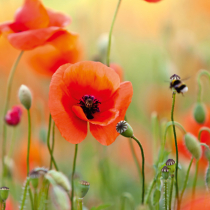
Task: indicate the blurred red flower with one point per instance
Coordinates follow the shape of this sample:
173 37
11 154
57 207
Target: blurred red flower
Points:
13 116
193 127
88 92
33 26
152 1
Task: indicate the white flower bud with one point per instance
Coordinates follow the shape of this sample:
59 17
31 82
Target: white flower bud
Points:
25 97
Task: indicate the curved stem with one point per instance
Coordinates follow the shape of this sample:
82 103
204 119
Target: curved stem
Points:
53 142
186 179
48 144
129 197
29 139
4 131
202 72
177 154
110 34
171 191
143 176
197 162
72 177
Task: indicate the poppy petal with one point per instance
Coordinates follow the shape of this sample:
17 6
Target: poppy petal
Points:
102 118
93 78
58 19
28 40
72 128
106 135
32 15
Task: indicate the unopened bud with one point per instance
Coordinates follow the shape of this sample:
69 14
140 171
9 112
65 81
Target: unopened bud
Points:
25 97
170 163
13 116
193 145
34 178
199 113
82 188
124 129
4 193
165 172
58 178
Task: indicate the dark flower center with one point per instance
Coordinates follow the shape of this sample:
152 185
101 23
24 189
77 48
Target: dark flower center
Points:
89 105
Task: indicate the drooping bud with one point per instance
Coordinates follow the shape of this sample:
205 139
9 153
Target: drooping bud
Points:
4 193
165 172
170 163
82 188
193 145
25 97
58 178
207 178
199 113
124 129
13 116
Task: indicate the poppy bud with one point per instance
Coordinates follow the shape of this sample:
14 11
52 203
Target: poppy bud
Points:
156 197
4 193
25 97
13 116
82 188
124 129
208 177
58 178
199 113
193 145
60 198
165 172
170 163
34 178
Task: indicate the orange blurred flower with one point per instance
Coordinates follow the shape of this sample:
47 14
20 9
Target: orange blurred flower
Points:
33 26
88 92
193 127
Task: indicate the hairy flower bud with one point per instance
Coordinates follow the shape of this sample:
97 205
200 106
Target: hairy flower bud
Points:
124 129
193 145
199 113
4 193
82 188
58 178
25 97
13 116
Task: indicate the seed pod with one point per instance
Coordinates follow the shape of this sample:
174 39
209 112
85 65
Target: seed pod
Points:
25 97
156 197
207 179
4 192
124 129
82 188
34 178
193 145
170 163
165 172
199 113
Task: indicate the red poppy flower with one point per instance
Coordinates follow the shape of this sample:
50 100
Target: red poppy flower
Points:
34 25
13 116
118 69
152 1
88 92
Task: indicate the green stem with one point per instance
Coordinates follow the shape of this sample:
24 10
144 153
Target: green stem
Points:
31 198
129 197
48 144
202 72
110 34
165 184
72 177
197 162
79 203
186 180
29 140
4 131
12 142
53 142
177 154
143 176
24 194
171 191
3 205
35 199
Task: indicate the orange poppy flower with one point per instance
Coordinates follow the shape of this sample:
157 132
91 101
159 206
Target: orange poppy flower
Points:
34 25
88 92
118 69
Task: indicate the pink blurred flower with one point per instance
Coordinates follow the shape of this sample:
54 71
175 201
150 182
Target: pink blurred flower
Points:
13 116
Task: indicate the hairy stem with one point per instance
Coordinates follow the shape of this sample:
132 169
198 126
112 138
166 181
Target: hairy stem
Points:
171 192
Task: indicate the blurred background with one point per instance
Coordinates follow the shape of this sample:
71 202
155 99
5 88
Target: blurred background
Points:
150 43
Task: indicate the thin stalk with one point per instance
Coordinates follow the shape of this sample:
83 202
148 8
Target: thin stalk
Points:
29 139
53 142
4 131
143 176
129 197
35 199
197 161
31 198
24 194
110 34
186 179
171 191
165 186
72 177
48 144
79 203
3 205
177 154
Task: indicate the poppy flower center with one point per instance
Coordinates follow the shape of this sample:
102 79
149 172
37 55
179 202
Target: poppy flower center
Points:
89 105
